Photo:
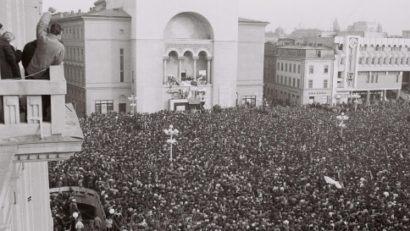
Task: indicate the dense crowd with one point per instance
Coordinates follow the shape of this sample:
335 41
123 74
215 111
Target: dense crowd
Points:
249 169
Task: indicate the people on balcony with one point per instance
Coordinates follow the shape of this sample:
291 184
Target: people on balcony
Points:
9 57
49 50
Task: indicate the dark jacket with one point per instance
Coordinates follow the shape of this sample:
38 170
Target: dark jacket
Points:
8 61
28 52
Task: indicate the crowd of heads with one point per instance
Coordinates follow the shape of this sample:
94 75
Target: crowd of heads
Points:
248 169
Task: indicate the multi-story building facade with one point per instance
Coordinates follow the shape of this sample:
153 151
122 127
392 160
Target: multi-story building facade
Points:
192 52
97 62
302 75
370 68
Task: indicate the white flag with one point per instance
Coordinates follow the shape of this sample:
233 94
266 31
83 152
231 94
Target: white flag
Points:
333 182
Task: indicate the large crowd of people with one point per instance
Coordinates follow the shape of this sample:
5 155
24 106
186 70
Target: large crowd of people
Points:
248 169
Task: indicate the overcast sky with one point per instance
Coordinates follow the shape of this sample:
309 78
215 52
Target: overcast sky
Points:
393 15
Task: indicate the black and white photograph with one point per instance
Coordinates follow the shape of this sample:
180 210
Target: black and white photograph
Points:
219 115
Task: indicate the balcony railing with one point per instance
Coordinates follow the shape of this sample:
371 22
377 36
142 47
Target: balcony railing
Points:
35 122
21 109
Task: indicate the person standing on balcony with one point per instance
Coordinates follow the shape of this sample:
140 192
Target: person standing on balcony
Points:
8 58
49 50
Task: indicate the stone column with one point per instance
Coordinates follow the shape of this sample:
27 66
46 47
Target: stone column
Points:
180 59
166 58
208 71
195 61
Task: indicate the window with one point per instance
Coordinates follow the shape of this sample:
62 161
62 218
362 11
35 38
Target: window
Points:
326 69
121 65
286 67
103 106
377 78
281 66
278 66
286 80
294 68
249 100
342 61
311 69
299 68
293 82
325 83
310 84
339 74
319 53
372 80
298 83
368 78
360 60
373 60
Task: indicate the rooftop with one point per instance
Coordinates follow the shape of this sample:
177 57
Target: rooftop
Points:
246 20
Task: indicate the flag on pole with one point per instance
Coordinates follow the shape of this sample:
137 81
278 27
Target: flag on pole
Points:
333 182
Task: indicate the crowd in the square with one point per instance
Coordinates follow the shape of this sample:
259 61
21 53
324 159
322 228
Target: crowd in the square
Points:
248 169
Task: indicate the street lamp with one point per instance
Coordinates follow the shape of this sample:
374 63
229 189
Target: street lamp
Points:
171 132
342 118
133 103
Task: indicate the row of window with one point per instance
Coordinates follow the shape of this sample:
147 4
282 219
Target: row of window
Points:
74 53
325 84
288 81
385 60
373 77
72 33
384 48
74 73
288 67
107 106
312 69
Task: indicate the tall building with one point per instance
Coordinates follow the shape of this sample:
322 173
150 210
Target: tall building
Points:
191 53
370 68
98 59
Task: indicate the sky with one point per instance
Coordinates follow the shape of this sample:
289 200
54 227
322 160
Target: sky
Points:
393 15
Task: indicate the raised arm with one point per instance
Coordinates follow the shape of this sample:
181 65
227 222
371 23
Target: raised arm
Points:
43 24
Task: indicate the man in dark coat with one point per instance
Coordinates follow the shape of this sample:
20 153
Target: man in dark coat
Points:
28 52
8 61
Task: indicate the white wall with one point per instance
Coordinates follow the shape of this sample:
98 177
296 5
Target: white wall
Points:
251 50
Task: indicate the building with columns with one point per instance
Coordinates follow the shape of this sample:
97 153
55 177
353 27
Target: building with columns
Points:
192 52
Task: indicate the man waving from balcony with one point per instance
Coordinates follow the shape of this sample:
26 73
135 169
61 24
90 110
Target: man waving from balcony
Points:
49 50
